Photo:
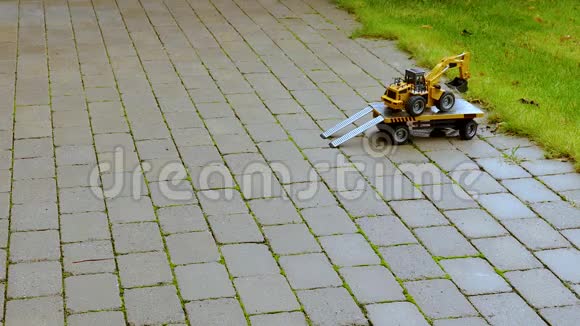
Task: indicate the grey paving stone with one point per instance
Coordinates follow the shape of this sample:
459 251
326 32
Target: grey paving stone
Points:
309 271
477 182
281 319
469 321
363 203
143 269
137 237
474 276
78 154
203 281
452 160
506 309
372 284
562 182
168 193
291 239
249 260
245 163
530 190
280 151
235 228
34 216
476 148
92 292
411 262
177 219
343 178
88 257
33 246
34 279
418 213
572 196
194 247
191 137
475 223
448 196
78 200
222 202
440 299
33 168
563 262
506 253
33 147
5 180
310 194
445 241
5 207
406 154
349 250
424 173
536 234
328 220
501 169
565 316
153 305
271 211
505 206
541 288
226 312
127 209
113 318
31 191
573 236
70 176
49 310
502 141
545 167
385 231
395 314
344 312
266 293
560 214
396 187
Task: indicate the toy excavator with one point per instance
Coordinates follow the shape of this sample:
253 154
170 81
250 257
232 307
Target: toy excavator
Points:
403 106
419 90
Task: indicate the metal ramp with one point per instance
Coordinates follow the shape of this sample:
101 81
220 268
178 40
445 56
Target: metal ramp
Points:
355 132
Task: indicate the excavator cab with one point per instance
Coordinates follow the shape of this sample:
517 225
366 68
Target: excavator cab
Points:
416 77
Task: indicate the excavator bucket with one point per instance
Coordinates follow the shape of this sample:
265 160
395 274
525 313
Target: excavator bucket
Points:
459 84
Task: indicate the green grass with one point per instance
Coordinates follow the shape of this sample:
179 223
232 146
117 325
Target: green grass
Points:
520 49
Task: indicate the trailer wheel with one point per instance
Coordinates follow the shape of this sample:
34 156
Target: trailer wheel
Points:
399 133
415 105
446 102
468 129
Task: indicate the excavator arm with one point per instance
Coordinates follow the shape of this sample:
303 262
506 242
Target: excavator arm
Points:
461 61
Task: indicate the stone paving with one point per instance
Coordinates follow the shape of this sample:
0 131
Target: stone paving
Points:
267 225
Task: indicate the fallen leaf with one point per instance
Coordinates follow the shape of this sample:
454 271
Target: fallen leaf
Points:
516 82
528 101
466 32
565 38
538 19
427 26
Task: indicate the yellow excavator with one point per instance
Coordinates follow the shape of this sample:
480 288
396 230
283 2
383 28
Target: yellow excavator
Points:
420 89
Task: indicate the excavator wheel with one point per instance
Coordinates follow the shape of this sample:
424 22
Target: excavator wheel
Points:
446 102
415 106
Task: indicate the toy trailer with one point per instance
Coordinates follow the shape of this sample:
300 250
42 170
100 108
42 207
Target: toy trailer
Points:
397 124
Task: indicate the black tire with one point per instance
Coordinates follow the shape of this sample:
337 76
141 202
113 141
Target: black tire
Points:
400 134
446 102
468 129
415 105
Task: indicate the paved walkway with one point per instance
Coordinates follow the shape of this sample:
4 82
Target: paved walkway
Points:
229 97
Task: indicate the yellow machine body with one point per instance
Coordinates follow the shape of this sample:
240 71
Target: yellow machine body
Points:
426 84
